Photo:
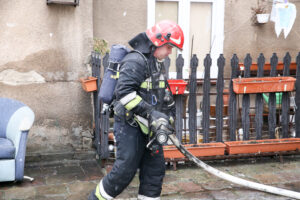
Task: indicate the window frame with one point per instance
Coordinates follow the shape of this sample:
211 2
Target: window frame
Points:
217 32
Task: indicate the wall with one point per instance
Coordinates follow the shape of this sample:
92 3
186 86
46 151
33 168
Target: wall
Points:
117 21
242 37
44 50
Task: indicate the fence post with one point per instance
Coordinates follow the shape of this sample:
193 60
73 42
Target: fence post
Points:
206 99
96 65
179 99
272 99
246 101
192 100
105 61
219 100
297 97
259 104
232 98
285 109
104 120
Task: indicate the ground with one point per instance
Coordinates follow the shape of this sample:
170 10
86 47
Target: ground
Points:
75 180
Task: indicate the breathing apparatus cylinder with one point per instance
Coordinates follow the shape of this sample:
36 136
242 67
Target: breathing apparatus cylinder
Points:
111 75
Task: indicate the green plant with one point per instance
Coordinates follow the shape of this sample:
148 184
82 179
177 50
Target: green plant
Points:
261 7
100 46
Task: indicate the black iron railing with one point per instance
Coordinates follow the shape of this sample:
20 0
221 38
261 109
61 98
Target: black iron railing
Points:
222 126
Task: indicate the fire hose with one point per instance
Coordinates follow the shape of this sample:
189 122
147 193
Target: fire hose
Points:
230 178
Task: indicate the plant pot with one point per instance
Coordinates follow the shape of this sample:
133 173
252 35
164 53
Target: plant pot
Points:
263 84
177 86
89 84
260 146
198 150
262 18
267 66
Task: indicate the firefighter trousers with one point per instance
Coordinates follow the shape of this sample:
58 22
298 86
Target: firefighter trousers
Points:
132 155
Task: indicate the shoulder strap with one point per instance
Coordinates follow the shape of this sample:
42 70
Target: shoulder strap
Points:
145 59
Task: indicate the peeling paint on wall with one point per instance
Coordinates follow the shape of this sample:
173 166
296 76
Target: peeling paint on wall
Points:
12 77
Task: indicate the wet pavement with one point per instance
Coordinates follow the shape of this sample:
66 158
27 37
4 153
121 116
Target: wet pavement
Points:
75 180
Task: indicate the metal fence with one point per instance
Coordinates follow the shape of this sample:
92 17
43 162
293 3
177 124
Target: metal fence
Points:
199 121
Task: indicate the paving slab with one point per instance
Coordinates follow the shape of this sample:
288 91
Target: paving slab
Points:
75 181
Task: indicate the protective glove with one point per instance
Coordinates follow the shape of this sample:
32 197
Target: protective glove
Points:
156 119
160 125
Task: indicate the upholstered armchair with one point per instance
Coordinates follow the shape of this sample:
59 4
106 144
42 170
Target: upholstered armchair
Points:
15 121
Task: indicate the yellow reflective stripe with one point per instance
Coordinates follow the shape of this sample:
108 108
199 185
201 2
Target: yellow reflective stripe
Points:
142 126
97 193
129 97
143 123
144 85
115 76
133 103
161 84
171 120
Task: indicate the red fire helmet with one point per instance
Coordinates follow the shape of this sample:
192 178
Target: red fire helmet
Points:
166 32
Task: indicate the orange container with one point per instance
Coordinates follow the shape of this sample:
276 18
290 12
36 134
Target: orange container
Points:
177 86
263 84
89 84
198 150
267 66
259 146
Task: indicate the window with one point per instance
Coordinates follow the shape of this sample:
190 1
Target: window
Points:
202 22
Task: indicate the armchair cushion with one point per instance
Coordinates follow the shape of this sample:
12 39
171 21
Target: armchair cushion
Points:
7 149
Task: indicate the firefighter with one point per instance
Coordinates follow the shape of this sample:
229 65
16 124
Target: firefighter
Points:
143 106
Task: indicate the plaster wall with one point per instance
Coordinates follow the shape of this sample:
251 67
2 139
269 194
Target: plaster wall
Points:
242 36
44 50
117 21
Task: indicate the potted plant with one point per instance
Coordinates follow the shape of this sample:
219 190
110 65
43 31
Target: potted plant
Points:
100 46
89 84
260 15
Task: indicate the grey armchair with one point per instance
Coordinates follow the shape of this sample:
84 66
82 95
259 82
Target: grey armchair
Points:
15 121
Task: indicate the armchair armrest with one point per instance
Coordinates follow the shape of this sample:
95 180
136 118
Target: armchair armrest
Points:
20 156
17 131
21 120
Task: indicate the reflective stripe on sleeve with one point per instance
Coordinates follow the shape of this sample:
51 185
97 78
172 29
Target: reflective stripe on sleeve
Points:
134 102
145 85
129 97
